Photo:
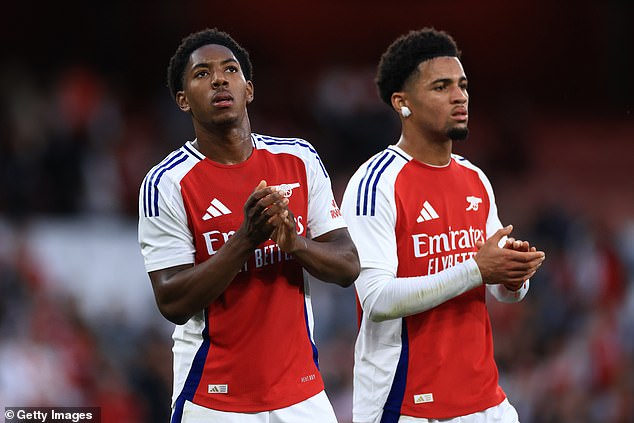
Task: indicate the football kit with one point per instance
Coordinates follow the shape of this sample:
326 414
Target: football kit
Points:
252 349
409 219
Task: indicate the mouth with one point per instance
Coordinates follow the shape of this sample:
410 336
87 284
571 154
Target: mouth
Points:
222 100
460 114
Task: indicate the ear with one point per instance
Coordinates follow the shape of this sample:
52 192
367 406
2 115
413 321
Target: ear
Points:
250 92
182 102
398 100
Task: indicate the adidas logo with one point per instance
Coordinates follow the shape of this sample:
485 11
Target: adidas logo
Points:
423 398
217 389
427 213
216 209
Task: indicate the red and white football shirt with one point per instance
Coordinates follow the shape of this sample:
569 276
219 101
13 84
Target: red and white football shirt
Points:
252 349
412 219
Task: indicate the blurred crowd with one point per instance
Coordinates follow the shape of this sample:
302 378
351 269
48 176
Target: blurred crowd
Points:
74 147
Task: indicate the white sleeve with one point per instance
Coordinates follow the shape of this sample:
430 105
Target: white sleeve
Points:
371 224
504 295
164 235
385 297
323 213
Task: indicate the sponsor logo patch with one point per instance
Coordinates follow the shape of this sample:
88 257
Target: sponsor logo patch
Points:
423 398
217 389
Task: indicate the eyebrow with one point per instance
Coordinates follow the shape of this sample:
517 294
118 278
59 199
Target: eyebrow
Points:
448 80
206 64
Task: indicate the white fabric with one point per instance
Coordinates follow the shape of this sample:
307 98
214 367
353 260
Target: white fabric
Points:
386 297
378 232
187 342
314 409
168 241
502 413
504 295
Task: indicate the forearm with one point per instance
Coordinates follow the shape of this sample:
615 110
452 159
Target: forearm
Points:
183 291
331 258
386 297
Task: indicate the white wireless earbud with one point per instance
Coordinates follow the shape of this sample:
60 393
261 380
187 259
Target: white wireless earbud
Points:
405 111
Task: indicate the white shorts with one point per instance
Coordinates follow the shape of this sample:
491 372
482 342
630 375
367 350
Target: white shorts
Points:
314 409
504 412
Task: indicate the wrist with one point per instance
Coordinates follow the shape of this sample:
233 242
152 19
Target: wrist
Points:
473 271
300 244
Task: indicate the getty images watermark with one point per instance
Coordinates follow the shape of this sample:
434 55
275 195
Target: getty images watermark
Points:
52 414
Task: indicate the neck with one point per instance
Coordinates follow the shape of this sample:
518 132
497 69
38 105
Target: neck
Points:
432 152
226 146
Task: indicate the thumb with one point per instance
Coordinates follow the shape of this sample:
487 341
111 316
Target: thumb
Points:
261 185
501 233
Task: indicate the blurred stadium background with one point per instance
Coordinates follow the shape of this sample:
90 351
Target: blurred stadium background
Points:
85 113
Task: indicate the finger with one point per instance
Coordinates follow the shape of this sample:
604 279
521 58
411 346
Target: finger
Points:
515 259
264 209
267 201
522 246
289 221
274 215
500 233
260 191
291 217
525 256
523 267
278 219
275 207
284 221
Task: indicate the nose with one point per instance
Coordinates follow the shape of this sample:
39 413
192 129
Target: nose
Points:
218 78
459 95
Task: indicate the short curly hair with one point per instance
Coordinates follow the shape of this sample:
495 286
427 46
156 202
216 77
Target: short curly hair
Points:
177 63
402 57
